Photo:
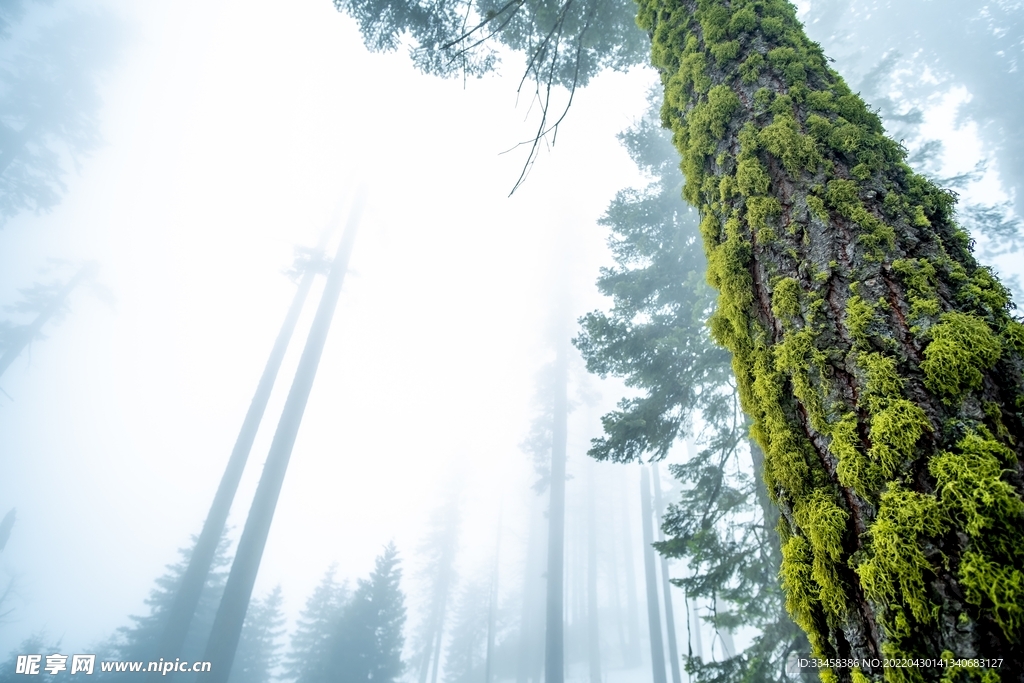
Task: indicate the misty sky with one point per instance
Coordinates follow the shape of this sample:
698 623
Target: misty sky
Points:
233 131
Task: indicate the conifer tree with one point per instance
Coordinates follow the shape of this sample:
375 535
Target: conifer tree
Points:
258 655
307 657
722 525
49 104
439 577
464 660
367 641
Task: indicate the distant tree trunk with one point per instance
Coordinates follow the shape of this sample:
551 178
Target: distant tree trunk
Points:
696 642
632 658
616 594
530 660
184 605
227 626
438 640
650 574
593 613
29 333
670 620
492 607
554 655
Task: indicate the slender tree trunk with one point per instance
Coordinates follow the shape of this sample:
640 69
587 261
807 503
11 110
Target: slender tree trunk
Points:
227 625
184 606
439 636
530 660
554 655
670 620
593 613
29 333
616 593
492 608
633 657
650 574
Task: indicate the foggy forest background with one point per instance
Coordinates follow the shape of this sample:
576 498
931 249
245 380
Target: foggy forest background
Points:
167 176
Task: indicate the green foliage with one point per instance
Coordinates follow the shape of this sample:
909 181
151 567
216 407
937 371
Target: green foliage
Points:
656 337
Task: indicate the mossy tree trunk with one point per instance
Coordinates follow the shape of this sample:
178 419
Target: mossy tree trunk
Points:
878 361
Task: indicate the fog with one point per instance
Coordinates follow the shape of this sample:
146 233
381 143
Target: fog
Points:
232 134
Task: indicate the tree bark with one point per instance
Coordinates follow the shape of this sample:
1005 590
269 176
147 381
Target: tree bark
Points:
227 625
877 359
650 574
554 654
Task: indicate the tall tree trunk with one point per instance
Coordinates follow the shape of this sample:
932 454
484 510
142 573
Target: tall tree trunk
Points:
616 594
185 600
530 660
876 357
227 625
593 612
32 330
492 607
670 620
554 654
632 658
650 574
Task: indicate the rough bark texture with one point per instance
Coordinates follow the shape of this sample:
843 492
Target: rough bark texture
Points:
876 358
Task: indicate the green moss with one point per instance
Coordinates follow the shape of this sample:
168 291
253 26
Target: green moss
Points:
994 412
970 485
853 470
825 524
725 52
762 209
784 140
797 574
962 347
859 317
1013 335
895 571
882 380
817 207
895 431
996 586
752 177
